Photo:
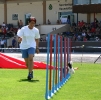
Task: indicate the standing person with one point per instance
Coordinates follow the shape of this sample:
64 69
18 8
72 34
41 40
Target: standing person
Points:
20 24
2 43
29 38
14 42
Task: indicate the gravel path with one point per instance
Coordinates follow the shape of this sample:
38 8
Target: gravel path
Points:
76 57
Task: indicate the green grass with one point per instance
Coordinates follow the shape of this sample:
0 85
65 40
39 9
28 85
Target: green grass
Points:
85 84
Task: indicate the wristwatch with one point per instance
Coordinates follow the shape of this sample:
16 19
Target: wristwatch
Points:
37 48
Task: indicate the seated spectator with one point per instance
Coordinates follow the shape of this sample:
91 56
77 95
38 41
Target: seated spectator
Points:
84 39
49 22
46 37
58 22
9 26
74 38
1 32
97 30
73 24
82 23
3 25
71 29
80 29
93 29
97 39
95 20
11 32
67 33
83 34
76 35
41 39
4 31
79 38
88 35
79 23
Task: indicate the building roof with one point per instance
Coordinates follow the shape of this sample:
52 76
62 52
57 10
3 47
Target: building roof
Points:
20 1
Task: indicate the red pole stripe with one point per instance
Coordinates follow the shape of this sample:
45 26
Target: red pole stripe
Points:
56 58
61 58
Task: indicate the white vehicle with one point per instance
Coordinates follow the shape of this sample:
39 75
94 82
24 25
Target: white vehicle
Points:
63 18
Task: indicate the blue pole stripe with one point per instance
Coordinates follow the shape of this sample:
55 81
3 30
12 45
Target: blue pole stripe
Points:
58 62
48 47
53 89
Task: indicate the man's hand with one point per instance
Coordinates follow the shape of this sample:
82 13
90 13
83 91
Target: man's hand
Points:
37 50
19 39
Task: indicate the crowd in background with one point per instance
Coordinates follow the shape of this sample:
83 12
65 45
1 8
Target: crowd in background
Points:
9 31
80 31
86 31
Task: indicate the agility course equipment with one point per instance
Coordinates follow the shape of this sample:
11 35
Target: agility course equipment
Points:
58 55
8 62
97 59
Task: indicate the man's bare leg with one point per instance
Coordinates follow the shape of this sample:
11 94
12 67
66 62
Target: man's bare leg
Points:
26 62
30 66
30 63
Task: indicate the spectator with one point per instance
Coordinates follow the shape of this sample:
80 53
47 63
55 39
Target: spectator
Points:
11 32
97 30
97 39
79 38
20 24
14 42
4 31
46 37
83 34
58 22
49 22
73 24
2 43
86 30
93 29
1 32
95 20
84 39
3 25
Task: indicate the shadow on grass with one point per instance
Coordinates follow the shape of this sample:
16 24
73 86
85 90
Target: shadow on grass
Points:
26 80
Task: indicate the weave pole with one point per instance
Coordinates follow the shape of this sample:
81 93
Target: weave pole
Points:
47 67
58 56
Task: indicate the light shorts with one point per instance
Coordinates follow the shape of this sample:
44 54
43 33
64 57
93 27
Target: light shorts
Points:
27 52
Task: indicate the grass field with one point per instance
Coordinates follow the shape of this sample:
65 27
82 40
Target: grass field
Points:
85 84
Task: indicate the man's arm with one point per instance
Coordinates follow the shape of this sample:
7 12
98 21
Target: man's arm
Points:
37 37
37 43
20 34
